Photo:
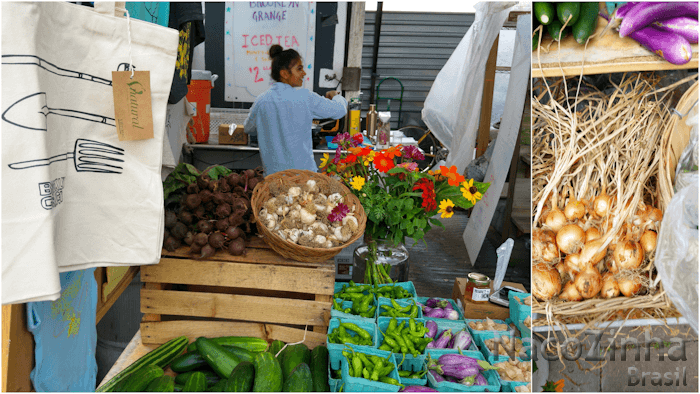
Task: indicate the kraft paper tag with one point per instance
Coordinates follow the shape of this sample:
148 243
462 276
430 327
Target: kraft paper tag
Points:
133 113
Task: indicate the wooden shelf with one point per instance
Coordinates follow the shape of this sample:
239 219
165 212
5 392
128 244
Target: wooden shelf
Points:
607 54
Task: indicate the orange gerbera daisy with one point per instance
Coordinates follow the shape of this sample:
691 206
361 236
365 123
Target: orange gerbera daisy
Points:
383 163
394 151
355 150
453 178
349 159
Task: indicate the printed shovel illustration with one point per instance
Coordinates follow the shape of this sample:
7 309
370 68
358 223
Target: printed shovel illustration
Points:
88 156
17 113
33 60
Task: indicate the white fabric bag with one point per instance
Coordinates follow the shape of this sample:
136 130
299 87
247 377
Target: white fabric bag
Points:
453 105
73 195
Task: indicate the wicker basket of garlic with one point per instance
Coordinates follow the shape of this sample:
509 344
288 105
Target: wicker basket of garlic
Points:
293 212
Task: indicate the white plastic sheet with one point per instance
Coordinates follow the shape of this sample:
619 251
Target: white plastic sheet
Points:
452 108
503 252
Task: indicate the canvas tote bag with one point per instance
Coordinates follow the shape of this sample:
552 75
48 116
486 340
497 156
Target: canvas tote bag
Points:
73 195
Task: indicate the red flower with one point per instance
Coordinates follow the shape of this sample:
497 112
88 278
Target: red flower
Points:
349 159
428 195
338 213
383 163
358 139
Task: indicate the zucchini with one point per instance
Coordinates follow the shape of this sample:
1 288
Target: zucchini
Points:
212 377
586 24
161 356
292 356
139 380
299 381
163 384
268 373
243 354
253 344
544 12
188 362
554 28
241 379
220 360
197 382
276 346
319 369
566 9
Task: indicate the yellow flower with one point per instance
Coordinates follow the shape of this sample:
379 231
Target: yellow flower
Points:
369 158
324 160
470 192
446 210
357 182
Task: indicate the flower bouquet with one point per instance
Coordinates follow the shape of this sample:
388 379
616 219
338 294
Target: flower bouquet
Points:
399 200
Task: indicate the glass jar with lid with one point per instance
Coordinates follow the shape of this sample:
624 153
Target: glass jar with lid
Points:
478 287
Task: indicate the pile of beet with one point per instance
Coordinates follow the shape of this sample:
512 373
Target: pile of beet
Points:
212 212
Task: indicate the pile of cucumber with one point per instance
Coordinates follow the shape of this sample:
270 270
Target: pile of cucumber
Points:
580 19
225 364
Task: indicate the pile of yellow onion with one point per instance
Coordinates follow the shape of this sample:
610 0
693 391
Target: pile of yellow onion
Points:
571 261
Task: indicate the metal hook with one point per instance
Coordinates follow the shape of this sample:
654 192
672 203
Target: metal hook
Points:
675 112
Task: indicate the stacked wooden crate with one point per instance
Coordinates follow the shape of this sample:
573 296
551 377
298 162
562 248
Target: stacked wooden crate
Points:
258 294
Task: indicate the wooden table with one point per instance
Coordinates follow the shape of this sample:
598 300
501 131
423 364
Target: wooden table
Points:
606 54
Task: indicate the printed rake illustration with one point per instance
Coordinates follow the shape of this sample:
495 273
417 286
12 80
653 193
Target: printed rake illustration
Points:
87 156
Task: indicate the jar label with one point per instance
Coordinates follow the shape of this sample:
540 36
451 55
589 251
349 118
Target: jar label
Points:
480 295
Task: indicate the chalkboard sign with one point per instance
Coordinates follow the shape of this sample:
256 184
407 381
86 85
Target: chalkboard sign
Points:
250 28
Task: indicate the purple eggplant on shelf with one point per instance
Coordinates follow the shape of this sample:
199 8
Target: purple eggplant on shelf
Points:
461 340
432 329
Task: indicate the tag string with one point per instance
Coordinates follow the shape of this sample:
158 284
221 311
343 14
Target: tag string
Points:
128 34
295 343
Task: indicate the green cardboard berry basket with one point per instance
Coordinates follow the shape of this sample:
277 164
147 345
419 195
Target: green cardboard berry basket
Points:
509 385
518 312
492 358
477 333
408 286
412 382
422 300
410 360
492 378
353 384
387 301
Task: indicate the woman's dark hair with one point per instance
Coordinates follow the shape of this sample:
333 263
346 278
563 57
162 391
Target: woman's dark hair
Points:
281 60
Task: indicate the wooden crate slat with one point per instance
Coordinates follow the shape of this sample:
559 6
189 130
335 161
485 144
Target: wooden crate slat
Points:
236 307
230 274
161 332
293 335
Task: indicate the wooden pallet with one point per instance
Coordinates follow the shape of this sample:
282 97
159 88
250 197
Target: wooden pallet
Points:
260 294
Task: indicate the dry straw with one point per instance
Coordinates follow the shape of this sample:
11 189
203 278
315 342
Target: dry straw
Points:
587 143
283 180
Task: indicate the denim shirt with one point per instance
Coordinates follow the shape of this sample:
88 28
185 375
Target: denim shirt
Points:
282 119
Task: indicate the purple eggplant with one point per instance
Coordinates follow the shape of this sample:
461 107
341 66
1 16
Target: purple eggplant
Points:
458 359
685 26
438 378
447 305
432 329
462 340
458 371
437 313
644 14
426 309
451 314
430 345
480 380
443 339
418 389
450 343
432 302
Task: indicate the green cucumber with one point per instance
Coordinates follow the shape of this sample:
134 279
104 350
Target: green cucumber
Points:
219 359
219 387
544 12
253 344
188 362
178 388
586 24
243 354
299 380
294 355
566 9
275 347
268 373
554 28
319 369
161 356
212 377
139 380
242 378
197 382
163 384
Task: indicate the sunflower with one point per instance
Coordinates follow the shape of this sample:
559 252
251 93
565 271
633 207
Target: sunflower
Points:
470 192
446 210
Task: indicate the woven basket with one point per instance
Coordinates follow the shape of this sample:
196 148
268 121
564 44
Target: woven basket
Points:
674 140
291 250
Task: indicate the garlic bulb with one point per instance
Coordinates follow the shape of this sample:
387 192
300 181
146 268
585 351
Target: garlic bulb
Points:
311 186
335 198
294 191
307 217
319 228
282 210
342 233
350 222
270 221
293 234
320 241
282 234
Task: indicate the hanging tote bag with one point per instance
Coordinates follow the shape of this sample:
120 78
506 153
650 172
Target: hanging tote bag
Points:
73 195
